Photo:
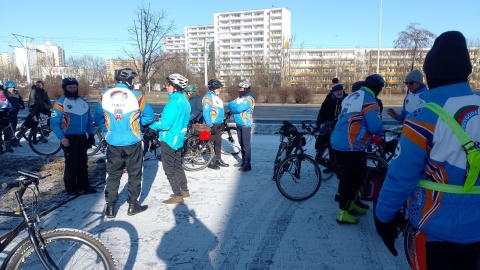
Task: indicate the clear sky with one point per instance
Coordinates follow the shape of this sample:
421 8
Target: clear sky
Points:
99 27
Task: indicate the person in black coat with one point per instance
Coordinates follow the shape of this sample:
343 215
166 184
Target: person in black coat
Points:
16 100
195 103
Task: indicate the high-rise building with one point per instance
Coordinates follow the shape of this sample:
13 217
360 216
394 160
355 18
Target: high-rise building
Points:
54 54
198 40
175 44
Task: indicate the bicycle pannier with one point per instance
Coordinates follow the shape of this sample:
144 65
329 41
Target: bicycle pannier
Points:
372 183
198 128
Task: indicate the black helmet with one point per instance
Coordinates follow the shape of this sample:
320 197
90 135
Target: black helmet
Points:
68 81
214 84
375 82
125 75
357 85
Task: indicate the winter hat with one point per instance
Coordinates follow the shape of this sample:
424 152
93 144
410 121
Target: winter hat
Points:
415 76
448 61
357 85
335 80
336 87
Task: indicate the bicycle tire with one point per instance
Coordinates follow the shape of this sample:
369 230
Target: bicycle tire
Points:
68 249
326 166
197 154
281 155
98 143
303 185
230 146
409 242
45 143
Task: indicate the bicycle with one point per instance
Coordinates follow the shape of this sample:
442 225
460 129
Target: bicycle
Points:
198 151
386 149
100 143
230 143
60 248
41 139
295 172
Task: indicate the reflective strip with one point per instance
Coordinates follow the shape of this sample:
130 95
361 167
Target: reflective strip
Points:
448 188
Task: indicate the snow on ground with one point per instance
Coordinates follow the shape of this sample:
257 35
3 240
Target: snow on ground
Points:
232 220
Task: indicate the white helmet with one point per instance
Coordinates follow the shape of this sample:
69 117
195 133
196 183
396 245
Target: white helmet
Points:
177 79
245 84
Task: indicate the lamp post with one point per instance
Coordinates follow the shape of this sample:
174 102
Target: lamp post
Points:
379 31
336 66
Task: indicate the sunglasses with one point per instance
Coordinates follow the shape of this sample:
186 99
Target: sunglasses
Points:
409 83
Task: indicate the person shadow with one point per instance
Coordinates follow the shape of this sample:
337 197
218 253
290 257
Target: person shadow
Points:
188 244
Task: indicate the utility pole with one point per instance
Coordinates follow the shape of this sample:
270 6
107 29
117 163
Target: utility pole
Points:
205 60
25 46
379 31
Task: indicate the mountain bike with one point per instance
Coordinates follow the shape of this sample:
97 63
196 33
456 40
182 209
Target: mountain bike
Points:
197 152
59 248
230 143
297 175
100 143
41 139
386 149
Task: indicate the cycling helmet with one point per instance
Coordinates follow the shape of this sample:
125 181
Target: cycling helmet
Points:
125 75
10 84
245 84
190 89
357 85
177 81
214 84
68 81
375 82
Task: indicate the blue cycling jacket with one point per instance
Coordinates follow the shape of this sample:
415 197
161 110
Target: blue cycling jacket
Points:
412 102
213 111
242 109
71 116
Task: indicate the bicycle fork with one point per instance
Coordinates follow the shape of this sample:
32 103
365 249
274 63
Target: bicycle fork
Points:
40 248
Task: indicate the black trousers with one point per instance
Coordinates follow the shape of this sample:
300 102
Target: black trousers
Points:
216 139
352 164
75 175
244 138
452 256
9 133
119 158
172 165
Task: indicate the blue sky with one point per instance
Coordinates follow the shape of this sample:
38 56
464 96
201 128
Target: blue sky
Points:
99 27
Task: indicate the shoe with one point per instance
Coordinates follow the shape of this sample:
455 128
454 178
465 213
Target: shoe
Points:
214 166
221 163
72 192
135 208
110 210
238 165
356 210
360 204
337 197
346 218
246 168
89 190
174 200
185 194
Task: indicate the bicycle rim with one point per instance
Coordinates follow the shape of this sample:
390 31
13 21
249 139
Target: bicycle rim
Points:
326 165
197 155
230 145
67 248
298 177
98 144
409 242
43 142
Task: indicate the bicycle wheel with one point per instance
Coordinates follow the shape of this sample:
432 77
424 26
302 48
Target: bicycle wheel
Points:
98 143
409 241
281 155
230 144
197 154
43 142
298 177
327 166
67 249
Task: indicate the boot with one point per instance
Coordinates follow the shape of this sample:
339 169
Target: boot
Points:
174 200
246 167
213 165
221 163
346 218
110 210
356 210
185 194
135 208
238 165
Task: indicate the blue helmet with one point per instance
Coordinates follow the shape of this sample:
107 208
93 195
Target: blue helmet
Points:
10 84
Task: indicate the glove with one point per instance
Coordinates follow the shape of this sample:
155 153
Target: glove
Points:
229 113
91 140
388 233
377 140
212 131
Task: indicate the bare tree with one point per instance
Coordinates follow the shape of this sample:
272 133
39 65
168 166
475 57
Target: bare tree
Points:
9 71
148 33
414 38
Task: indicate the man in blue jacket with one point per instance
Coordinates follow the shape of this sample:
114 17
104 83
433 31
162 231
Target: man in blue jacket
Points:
173 127
435 168
119 114
242 109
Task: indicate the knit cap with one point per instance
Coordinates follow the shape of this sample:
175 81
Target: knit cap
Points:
336 87
415 76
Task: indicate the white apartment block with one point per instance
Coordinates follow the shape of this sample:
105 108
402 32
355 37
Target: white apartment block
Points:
54 54
45 55
198 40
175 44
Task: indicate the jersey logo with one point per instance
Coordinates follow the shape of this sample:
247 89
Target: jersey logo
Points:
118 114
121 93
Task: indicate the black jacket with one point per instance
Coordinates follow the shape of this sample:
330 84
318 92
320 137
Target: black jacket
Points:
16 100
330 109
39 100
197 109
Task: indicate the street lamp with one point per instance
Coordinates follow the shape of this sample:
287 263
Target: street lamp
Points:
336 66
379 31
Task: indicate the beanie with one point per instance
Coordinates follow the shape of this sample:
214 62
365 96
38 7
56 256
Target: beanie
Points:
335 80
357 85
448 61
336 87
415 76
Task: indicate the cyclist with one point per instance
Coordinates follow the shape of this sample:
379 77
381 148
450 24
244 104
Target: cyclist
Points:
242 109
213 113
195 103
358 121
414 98
16 101
5 108
71 121
173 127
39 102
119 114
433 168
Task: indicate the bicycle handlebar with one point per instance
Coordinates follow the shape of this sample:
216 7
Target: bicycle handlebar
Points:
26 179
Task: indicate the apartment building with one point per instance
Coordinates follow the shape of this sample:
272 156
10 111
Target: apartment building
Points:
113 64
39 56
175 44
54 54
198 40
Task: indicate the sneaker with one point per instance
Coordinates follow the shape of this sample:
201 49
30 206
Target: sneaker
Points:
346 218
221 163
174 200
356 210
360 204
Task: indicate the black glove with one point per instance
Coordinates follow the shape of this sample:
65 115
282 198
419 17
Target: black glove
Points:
388 232
212 130
91 140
